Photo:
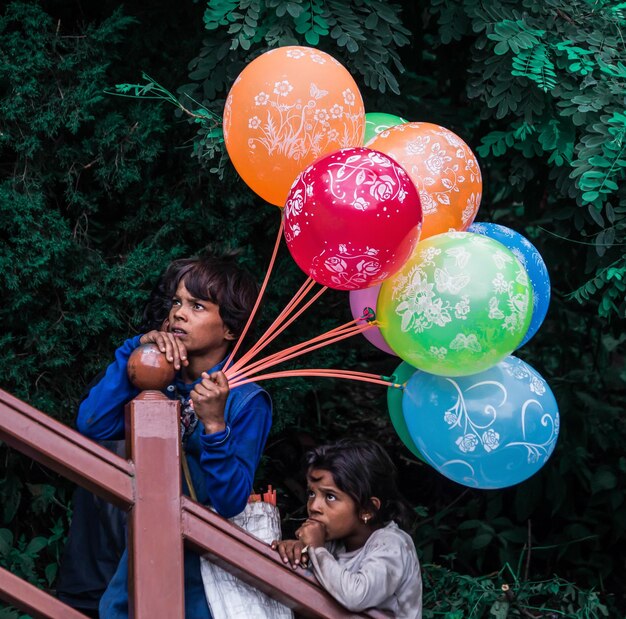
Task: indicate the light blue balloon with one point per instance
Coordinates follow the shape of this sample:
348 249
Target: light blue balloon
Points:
531 260
489 430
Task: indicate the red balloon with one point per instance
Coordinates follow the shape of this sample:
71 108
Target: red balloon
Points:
352 218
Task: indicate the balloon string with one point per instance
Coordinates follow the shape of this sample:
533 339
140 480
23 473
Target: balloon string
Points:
297 298
327 373
306 286
393 378
301 349
274 329
281 353
231 357
239 373
388 379
286 324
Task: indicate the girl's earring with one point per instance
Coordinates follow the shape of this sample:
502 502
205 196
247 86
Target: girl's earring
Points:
365 519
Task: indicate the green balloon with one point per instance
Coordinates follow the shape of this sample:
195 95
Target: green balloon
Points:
460 304
375 122
394 403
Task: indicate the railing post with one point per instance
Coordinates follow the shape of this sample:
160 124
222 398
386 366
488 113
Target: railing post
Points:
155 553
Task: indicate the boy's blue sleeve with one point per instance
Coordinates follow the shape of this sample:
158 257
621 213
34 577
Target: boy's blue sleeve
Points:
101 413
229 459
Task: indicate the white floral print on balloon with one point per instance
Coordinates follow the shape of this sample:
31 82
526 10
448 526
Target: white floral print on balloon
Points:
350 217
299 127
490 430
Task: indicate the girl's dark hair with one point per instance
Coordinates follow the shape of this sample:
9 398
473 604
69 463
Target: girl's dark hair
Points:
362 469
222 281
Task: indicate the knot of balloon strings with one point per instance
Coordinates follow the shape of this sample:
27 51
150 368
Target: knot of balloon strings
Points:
368 314
392 382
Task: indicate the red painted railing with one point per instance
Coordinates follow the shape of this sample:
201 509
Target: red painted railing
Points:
161 519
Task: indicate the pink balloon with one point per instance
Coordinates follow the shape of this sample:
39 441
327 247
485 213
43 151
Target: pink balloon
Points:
352 218
360 302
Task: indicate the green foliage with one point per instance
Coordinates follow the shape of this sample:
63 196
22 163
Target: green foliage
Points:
536 65
210 137
504 596
33 522
366 35
558 69
10 613
370 28
610 280
43 208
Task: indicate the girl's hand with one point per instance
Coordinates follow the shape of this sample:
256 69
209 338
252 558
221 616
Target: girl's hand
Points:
174 350
209 401
290 551
312 533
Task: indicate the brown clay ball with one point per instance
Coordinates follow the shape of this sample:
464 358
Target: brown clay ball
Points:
149 369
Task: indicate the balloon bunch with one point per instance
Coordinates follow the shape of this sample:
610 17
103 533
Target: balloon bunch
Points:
384 208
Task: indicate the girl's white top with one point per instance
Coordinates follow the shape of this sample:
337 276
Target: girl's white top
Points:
383 574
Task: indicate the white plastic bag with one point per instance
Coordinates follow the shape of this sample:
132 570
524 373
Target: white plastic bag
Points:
227 596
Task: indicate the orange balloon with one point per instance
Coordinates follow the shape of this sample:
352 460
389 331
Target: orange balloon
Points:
444 170
286 109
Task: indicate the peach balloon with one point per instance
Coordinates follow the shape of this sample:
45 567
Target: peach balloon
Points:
444 170
286 109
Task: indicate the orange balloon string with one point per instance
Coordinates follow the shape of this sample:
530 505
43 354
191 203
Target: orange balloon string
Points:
330 373
282 353
306 286
286 324
297 298
263 364
269 334
231 357
342 371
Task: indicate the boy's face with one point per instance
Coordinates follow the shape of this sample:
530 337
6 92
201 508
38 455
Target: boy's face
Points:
197 323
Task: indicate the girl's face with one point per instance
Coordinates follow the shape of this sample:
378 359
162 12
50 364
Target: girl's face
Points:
336 510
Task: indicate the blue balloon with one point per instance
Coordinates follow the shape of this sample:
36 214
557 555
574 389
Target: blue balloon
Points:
489 430
531 260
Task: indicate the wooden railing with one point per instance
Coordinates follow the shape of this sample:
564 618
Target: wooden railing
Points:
161 520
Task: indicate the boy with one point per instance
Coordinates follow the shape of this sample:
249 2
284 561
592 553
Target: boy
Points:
97 535
223 432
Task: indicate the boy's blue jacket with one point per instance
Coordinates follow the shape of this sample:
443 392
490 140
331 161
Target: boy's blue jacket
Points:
222 465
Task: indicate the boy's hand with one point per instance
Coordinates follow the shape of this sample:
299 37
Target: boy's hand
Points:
174 350
312 533
290 551
209 401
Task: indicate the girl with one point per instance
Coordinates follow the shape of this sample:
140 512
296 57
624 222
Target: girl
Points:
352 537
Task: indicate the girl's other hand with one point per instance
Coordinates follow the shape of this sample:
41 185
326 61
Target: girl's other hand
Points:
173 349
290 551
312 533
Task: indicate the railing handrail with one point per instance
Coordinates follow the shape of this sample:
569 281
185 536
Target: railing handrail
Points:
66 451
116 479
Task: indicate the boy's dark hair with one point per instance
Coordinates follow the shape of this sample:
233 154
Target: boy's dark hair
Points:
363 469
222 281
